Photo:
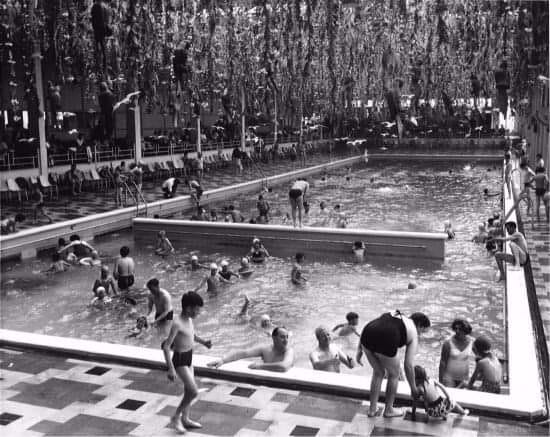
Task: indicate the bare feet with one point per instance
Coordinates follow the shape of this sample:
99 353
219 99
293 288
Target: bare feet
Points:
376 413
190 424
388 414
176 424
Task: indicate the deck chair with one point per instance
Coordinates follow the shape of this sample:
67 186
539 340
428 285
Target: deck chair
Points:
13 187
165 168
170 165
4 192
98 180
48 187
179 168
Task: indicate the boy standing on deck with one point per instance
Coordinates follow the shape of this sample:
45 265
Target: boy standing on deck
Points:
182 337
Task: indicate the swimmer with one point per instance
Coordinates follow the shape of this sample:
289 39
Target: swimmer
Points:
340 219
196 265
225 273
162 301
124 269
106 281
348 328
449 229
141 326
79 247
263 209
164 247
481 235
244 270
327 356
91 261
100 298
296 275
58 265
358 248
212 281
258 253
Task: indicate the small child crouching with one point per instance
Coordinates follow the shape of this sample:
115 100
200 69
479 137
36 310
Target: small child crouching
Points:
437 401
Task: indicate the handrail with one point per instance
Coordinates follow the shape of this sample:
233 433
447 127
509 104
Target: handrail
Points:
139 195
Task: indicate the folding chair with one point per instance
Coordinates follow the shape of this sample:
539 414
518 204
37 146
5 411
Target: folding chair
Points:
102 183
13 187
50 188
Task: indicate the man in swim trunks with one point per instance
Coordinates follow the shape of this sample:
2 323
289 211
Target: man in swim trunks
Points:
296 197
182 337
161 300
124 269
380 340
79 247
278 357
518 247
328 356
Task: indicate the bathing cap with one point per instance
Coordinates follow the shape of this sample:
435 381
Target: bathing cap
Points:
100 290
194 258
255 240
213 266
244 260
224 263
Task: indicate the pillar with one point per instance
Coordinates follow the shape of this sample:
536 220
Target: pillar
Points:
199 134
43 151
137 129
243 121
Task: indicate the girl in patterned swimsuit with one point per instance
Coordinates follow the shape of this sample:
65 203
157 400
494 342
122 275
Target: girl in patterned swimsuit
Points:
437 402
488 368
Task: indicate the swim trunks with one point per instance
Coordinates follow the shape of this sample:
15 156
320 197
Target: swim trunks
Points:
225 275
384 335
294 193
540 191
490 387
125 282
180 359
523 264
169 316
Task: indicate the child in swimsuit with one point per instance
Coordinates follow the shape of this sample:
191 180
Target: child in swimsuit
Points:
244 270
358 248
488 368
296 274
182 338
141 326
258 253
58 265
345 329
212 281
449 230
225 273
340 219
437 401
164 247
195 264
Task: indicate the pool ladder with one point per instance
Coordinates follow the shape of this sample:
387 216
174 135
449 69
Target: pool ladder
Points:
131 188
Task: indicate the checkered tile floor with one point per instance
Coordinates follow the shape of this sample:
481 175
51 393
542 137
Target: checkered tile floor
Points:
88 203
51 395
537 234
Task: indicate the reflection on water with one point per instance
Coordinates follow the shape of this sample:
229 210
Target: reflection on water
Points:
389 196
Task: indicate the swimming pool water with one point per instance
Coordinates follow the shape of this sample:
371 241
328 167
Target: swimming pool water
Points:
403 196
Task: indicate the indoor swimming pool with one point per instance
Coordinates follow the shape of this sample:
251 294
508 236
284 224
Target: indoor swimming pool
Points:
382 195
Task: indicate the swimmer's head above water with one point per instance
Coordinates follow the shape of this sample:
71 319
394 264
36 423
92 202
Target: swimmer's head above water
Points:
213 267
224 263
265 321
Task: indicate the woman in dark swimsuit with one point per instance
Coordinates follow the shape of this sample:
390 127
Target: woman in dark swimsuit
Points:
380 340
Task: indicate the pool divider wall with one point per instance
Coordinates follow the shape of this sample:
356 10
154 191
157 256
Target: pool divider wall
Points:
521 405
28 242
284 241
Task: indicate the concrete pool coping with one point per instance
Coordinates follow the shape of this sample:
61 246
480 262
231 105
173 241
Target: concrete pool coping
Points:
283 241
523 402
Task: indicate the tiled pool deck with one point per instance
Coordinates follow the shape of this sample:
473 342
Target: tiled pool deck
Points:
50 395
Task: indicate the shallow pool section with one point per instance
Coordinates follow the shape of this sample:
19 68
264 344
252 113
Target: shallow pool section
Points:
462 287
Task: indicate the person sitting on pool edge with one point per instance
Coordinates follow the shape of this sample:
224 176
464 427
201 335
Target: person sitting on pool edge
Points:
258 253
9 224
278 357
518 246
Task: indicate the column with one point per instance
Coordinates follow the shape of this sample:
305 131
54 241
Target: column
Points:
43 161
199 134
137 128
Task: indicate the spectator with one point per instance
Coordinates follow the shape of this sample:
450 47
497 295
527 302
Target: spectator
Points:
278 357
